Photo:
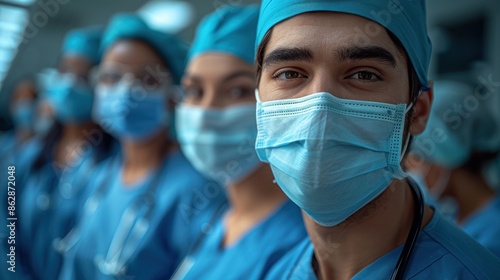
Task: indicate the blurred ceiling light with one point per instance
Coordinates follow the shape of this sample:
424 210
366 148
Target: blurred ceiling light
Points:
13 14
10 27
13 20
20 2
8 42
6 54
167 16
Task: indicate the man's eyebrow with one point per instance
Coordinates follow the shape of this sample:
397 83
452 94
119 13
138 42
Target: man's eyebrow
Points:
288 54
368 52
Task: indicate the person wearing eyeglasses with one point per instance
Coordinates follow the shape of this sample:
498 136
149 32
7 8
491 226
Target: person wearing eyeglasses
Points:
149 204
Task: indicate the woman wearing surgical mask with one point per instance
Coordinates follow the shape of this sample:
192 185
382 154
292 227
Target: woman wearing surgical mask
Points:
54 168
452 155
217 129
22 109
149 204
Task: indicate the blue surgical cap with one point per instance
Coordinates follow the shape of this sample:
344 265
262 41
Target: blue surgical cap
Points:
85 43
463 120
229 30
130 26
406 19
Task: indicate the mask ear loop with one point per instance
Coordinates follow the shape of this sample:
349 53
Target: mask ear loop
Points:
408 108
257 95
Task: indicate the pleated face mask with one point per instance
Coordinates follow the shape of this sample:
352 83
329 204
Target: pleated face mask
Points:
331 156
71 98
131 112
219 142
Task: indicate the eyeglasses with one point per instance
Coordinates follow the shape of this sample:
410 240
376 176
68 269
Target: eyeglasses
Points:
149 76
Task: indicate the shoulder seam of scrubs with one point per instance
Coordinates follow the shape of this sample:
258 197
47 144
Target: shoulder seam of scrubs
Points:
429 265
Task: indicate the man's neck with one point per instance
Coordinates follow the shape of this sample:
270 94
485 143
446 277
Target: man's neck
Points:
384 224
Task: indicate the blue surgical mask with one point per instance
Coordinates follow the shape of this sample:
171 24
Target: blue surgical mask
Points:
331 156
23 114
71 101
219 142
129 112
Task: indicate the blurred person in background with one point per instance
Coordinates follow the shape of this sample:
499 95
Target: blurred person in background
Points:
217 129
451 156
55 167
23 110
149 203
44 118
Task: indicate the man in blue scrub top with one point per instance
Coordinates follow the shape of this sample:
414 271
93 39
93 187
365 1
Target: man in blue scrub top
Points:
452 154
149 204
342 86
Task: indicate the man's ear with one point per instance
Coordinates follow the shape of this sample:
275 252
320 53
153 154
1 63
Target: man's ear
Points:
421 111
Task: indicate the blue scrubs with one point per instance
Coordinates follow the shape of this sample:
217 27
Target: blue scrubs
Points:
253 255
114 244
484 226
442 251
9 156
7 142
50 203
21 159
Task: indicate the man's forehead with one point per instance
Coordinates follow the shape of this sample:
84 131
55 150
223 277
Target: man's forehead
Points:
330 31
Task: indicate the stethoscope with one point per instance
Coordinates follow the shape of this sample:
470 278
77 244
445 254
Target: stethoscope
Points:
406 253
418 215
66 186
63 245
187 263
133 225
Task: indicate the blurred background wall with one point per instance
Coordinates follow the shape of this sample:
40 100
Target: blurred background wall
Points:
465 34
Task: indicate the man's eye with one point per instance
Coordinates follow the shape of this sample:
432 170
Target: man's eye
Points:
366 76
288 75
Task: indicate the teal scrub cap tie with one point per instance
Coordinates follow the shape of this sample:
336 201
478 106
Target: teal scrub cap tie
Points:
85 43
131 26
406 19
229 30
